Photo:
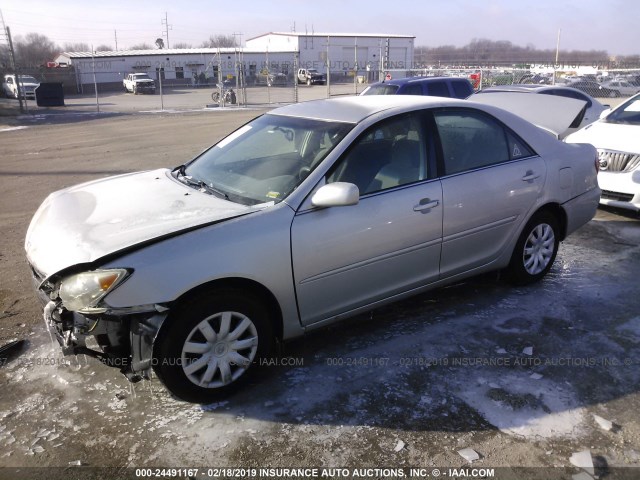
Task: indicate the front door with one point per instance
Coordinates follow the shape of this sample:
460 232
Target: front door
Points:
348 257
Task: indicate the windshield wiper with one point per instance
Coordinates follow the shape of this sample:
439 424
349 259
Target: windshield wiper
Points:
199 184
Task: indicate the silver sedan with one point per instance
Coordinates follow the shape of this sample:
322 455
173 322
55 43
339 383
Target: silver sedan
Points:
307 215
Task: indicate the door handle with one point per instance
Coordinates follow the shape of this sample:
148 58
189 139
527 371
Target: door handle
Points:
530 176
425 205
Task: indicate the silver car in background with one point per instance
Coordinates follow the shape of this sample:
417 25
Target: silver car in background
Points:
307 215
590 113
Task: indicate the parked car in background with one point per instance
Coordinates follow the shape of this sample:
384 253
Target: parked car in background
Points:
594 89
309 214
310 76
28 85
592 109
625 88
139 83
270 79
452 87
617 137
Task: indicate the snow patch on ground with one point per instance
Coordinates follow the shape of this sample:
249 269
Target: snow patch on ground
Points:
518 405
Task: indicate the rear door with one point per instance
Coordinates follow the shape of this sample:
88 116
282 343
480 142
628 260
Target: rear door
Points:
491 181
438 88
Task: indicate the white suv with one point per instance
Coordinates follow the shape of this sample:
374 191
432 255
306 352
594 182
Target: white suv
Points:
28 86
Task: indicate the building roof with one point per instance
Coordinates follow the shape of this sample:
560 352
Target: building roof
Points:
165 51
324 35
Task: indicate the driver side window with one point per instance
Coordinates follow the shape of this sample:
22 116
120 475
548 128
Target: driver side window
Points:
390 154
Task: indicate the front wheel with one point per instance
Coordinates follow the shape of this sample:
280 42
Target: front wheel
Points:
308 82
215 96
212 345
535 250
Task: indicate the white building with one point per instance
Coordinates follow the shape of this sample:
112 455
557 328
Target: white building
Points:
273 52
345 51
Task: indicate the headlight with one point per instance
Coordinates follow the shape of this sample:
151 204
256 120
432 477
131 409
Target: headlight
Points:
82 292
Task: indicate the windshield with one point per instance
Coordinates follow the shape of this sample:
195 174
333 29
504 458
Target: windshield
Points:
627 113
381 89
142 76
27 79
266 159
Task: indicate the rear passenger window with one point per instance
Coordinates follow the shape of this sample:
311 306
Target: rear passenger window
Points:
461 89
517 148
415 89
471 139
438 89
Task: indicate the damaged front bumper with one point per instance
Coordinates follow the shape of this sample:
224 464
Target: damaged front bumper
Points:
125 335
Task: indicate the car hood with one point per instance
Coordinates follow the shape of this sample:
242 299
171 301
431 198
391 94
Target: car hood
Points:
86 222
550 112
609 136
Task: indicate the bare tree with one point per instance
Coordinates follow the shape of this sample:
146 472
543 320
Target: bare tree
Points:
220 41
181 45
141 46
491 53
160 43
34 50
104 48
76 47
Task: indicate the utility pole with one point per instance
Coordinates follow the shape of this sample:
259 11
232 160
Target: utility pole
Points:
95 83
115 33
555 66
328 69
355 66
167 27
15 68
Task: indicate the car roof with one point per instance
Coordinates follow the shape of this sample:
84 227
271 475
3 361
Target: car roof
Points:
529 88
356 108
404 81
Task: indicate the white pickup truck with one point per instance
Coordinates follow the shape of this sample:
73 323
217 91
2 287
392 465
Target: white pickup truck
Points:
139 83
310 76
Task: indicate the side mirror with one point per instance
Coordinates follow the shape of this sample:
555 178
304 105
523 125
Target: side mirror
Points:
338 194
604 113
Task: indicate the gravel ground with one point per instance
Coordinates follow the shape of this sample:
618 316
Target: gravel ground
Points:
519 375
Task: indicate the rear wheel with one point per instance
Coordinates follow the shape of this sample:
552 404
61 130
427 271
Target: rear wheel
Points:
535 250
212 345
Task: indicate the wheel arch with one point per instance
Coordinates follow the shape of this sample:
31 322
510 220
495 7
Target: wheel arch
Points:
557 211
242 284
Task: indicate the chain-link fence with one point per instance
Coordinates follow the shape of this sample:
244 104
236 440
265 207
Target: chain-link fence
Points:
598 83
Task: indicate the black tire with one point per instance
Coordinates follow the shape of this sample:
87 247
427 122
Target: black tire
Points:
186 325
215 96
535 250
135 90
308 82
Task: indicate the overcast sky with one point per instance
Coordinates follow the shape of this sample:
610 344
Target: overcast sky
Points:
610 25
